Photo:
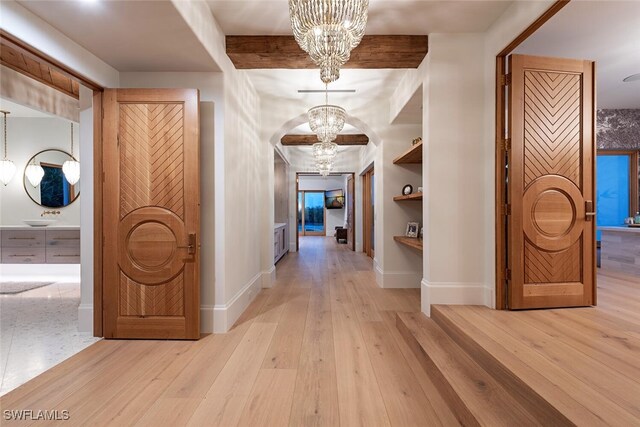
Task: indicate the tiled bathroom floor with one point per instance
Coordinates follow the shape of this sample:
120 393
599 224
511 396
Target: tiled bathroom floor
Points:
38 329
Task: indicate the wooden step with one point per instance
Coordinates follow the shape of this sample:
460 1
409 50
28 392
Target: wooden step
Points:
554 376
473 394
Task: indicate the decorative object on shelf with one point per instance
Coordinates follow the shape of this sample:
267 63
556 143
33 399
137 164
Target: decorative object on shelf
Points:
54 191
412 229
328 30
628 221
327 121
419 189
416 141
7 167
407 189
34 173
636 219
71 168
421 235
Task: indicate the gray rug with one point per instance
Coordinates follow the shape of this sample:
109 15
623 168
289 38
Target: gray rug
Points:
19 287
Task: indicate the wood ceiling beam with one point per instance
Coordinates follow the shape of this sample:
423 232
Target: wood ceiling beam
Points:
346 139
263 52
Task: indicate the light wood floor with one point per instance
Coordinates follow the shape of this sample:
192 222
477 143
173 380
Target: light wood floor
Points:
320 348
584 361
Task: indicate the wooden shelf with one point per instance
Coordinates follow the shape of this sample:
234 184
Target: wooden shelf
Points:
412 242
414 196
412 156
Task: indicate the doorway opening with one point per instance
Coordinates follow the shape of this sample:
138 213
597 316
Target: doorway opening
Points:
44 284
325 208
368 212
547 119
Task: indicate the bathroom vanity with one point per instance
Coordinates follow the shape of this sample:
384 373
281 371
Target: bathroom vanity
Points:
620 249
46 245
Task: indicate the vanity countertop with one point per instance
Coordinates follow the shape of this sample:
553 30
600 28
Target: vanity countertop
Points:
279 225
621 229
49 227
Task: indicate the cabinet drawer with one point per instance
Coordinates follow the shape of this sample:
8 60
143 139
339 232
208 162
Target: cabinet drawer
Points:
23 239
63 238
24 255
63 255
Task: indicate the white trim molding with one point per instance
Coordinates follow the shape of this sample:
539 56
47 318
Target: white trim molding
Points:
85 318
396 279
269 277
451 293
225 315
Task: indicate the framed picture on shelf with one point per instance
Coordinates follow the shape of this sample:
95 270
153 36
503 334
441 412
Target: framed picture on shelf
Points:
412 229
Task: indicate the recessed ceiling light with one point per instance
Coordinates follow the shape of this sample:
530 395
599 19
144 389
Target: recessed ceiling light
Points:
632 78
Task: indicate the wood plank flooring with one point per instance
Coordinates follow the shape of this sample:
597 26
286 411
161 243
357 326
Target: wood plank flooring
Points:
320 348
585 362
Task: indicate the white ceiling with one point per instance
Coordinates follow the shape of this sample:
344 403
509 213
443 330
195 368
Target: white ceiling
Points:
128 35
369 85
607 32
18 110
271 17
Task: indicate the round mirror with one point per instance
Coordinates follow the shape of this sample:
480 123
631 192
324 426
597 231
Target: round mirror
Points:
51 189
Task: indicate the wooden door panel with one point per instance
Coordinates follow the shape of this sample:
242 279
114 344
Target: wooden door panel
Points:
151 212
551 182
350 213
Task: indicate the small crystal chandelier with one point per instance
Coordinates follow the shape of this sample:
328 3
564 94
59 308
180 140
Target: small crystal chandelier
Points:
327 121
71 168
325 151
324 167
7 168
34 173
328 30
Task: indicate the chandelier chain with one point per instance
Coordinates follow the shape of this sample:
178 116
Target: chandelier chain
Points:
71 139
5 134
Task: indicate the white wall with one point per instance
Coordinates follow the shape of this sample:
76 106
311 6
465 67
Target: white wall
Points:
26 137
334 217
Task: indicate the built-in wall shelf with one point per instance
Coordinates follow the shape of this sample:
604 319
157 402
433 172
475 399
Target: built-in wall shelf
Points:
412 242
414 196
411 156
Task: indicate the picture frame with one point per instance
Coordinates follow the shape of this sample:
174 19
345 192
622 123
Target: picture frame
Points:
412 229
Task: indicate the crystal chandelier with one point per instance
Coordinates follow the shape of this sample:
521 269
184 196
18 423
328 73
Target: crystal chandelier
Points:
324 167
328 30
327 121
34 173
325 151
71 168
7 168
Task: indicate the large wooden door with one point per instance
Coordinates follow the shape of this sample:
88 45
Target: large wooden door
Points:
351 195
551 183
151 213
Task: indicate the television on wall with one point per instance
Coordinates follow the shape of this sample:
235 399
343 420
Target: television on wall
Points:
334 199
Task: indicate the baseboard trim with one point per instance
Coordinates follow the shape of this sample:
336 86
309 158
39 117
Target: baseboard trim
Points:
451 293
225 315
206 319
269 277
397 279
85 318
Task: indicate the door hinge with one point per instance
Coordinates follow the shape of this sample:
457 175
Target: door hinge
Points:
507 209
118 138
505 79
507 274
506 144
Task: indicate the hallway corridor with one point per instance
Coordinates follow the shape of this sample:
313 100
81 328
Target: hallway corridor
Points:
319 348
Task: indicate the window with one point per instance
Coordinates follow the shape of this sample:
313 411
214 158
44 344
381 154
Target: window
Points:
617 184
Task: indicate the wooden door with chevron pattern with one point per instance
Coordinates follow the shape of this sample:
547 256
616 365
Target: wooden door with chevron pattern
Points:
151 210
551 183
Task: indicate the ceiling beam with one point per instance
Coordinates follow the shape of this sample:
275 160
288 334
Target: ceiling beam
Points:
346 139
262 52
